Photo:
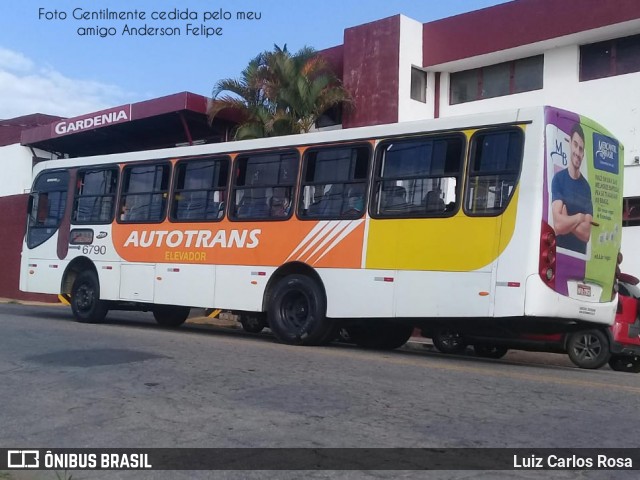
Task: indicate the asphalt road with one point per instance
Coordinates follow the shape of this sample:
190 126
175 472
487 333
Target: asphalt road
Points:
128 383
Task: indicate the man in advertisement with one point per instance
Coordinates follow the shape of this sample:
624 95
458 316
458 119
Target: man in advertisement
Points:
571 205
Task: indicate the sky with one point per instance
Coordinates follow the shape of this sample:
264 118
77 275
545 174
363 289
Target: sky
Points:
56 59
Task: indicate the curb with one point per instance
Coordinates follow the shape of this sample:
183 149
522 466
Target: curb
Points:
14 301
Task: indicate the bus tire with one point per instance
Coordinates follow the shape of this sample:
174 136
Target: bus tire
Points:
170 316
490 351
85 299
253 322
447 340
625 363
588 349
297 312
379 335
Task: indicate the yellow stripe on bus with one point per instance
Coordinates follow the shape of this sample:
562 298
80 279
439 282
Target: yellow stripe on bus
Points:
456 244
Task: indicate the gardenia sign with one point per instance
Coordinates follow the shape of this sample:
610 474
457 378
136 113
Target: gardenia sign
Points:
117 115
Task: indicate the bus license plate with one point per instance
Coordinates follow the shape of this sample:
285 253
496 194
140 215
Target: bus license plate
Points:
584 290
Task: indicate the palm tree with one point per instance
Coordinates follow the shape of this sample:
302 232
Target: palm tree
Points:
246 97
280 93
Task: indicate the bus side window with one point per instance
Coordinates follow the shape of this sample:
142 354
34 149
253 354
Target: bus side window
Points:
355 199
144 192
332 200
199 189
253 204
495 162
393 197
433 201
48 204
418 177
42 205
334 182
50 209
264 186
95 195
280 202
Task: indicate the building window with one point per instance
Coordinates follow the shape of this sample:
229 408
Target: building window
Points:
507 78
330 117
610 58
631 212
527 74
418 85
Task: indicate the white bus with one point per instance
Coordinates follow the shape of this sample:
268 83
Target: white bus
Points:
377 230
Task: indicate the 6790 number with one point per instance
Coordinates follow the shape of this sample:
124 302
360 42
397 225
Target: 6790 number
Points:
94 249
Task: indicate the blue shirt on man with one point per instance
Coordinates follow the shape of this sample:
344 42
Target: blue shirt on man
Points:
576 196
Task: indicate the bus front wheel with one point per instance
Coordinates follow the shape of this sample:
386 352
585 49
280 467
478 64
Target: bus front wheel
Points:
170 316
85 299
297 312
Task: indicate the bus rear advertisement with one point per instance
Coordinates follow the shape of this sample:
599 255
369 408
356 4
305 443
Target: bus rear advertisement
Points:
507 220
583 204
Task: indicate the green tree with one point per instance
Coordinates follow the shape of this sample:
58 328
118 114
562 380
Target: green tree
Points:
279 93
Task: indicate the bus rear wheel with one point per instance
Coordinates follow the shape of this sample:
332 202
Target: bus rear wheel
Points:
85 299
588 349
297 312
379 335
170 316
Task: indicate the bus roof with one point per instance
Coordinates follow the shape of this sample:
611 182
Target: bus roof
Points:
360 133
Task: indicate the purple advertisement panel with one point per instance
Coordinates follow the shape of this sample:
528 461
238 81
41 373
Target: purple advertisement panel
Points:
583 203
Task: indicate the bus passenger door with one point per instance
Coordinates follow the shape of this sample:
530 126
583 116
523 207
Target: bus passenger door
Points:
495 211
491 200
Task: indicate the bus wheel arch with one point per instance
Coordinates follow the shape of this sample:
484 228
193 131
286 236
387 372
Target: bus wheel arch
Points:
296 304
293 268
75 267
81 281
